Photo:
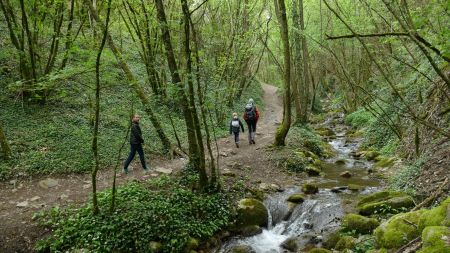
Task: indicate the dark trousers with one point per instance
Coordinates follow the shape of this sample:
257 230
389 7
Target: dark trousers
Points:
251 125
134 148
236 137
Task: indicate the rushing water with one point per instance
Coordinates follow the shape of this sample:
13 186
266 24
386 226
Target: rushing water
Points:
320 214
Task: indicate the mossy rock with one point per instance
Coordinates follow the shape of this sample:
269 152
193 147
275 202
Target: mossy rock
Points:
346 242
384 201
290 244
325 132
331 241
155 247
341 162
355 187
310 188
312 171
251 231
319 250
377 251
398 230
359 224
310 154
296 198
371 155
436 239
241 249
251 212
438 216
384 162
192 244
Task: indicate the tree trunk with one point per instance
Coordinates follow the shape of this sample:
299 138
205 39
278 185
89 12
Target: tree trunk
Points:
282 131
6 150
95 208
306 78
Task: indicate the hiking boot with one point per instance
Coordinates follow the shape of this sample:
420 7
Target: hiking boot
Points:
125 171
237 145
253 141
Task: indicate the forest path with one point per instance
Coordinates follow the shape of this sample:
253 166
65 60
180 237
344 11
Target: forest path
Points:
21 198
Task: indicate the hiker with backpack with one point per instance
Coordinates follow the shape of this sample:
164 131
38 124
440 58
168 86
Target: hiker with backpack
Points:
235 127
251 116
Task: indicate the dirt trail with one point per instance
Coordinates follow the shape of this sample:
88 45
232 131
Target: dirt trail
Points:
21 198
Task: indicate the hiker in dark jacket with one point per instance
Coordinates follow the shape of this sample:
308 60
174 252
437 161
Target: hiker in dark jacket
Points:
136 142
235 127
251 116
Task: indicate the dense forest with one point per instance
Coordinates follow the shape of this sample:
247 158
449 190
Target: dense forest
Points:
350 99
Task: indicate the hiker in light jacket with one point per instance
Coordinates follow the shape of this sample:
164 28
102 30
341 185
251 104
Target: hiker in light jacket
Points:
235 127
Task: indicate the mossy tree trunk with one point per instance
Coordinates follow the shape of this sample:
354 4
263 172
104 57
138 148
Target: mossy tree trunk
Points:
282 131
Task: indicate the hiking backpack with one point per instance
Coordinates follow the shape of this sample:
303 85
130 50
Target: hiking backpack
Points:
235 123
250 112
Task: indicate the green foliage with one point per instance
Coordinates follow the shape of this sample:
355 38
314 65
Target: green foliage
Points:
161 210
404 179
360 118
303 137
365 245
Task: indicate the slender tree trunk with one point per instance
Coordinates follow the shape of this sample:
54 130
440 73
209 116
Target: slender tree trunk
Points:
282 131
95 208
306 77
68 35
6 150
133 83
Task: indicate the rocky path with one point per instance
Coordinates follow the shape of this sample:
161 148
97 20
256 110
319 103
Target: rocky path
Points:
22 197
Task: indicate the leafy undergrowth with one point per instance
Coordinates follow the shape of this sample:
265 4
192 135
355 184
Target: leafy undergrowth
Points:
162 210
56 137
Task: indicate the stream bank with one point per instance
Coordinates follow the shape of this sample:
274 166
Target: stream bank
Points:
343 178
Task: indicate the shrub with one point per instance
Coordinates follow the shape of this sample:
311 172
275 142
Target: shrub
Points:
360 118
162 210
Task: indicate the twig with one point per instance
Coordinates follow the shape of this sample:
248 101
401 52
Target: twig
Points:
409 222
436 194
409 244
366 35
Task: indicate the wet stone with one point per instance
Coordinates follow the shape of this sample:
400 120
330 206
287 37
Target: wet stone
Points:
35 198
163 170
346 174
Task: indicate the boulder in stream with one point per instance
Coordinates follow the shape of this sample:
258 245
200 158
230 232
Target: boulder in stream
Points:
341 162
251 231
241 249
359 224
308 188
290 244
346 174
296 198
251 212
319 250
346 242
312 170
384 201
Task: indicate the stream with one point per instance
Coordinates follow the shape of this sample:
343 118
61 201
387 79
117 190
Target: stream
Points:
311 222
